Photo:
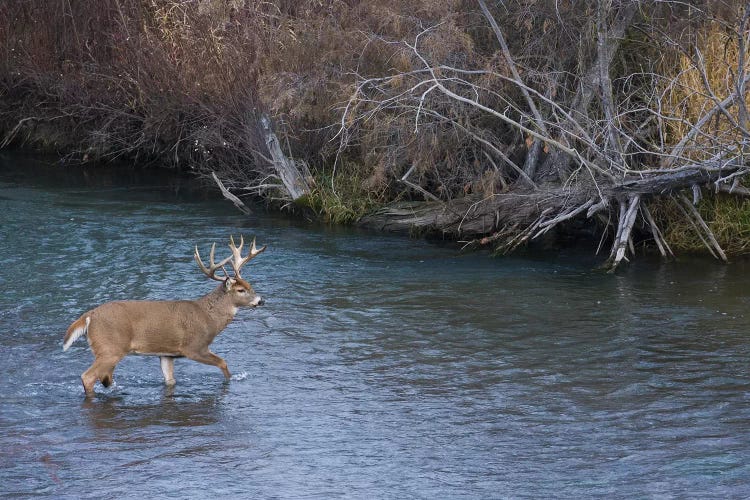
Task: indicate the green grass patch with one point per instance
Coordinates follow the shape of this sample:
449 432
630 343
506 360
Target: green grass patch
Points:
341 198
728 217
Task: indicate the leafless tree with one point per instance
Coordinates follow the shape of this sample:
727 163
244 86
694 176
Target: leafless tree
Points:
599 141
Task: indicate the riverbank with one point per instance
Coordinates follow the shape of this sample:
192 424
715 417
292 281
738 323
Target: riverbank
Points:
445 119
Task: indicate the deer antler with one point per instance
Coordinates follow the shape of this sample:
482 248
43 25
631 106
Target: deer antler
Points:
211 271
238 261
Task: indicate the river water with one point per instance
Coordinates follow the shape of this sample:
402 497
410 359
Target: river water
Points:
379 367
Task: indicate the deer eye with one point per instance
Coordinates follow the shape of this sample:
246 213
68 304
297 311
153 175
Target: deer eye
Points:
241 290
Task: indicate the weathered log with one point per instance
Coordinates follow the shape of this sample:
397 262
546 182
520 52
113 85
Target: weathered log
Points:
294 175
471 216
474 216
678 179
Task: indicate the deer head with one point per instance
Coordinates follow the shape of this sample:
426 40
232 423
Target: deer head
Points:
237 289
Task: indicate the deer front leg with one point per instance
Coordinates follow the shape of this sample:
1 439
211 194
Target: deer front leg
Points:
167 368
209 358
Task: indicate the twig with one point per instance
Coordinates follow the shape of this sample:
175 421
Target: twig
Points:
417 187
12 134
707 230
237 202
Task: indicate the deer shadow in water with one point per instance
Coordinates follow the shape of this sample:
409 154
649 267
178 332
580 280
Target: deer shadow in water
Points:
106 412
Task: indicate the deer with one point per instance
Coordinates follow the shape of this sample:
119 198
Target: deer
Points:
168 329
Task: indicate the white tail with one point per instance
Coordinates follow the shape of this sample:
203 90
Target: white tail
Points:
76 331
168 329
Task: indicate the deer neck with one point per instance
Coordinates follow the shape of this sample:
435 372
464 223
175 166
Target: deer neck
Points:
219 307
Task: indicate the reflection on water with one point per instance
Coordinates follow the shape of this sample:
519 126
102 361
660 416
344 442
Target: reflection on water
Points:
114 411
380 367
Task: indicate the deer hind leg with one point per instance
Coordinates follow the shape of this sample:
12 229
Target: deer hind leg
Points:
101 369
209 358
167 368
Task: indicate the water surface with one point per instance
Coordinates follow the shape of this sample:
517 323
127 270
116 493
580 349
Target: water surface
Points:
380 367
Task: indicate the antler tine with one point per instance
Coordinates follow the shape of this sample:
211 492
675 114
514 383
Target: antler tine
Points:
238 261
213 267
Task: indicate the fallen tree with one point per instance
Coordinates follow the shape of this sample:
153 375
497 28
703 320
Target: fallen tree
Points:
516 217
589 151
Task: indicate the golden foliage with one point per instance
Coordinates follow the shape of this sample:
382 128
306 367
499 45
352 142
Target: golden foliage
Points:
701 79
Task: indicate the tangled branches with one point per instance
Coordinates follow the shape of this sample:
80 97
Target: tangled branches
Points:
579 135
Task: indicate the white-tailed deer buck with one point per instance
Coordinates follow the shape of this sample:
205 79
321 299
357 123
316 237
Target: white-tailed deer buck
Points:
166 328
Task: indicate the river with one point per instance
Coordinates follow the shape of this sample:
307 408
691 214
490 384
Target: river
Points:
379 367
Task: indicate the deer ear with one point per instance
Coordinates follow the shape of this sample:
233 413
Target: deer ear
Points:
228 284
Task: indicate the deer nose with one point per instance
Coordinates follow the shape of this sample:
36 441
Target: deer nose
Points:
258 301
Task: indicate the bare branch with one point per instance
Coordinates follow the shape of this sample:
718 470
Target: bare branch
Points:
417 187
229 196
697 219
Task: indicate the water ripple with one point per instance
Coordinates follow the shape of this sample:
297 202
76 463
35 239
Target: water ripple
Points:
379 367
